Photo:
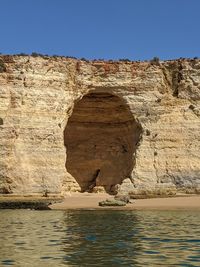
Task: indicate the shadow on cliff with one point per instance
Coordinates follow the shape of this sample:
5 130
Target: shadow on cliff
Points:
101 138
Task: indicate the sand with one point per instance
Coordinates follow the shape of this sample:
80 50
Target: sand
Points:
90 201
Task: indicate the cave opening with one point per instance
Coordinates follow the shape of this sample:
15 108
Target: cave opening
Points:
101 138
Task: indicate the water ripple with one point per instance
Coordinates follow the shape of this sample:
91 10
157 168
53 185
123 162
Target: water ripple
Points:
99 238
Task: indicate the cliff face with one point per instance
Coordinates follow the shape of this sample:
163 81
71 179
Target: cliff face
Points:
68 125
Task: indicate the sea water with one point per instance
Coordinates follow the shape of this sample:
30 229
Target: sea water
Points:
99 238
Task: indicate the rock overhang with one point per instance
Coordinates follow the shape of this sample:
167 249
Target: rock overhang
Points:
38 95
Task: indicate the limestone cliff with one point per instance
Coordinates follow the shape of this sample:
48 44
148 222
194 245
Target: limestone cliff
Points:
68 125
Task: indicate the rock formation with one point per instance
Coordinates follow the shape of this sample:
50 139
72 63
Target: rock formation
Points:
119 126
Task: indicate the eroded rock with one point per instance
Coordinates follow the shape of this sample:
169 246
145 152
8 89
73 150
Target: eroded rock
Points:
112 203
123 198
70 125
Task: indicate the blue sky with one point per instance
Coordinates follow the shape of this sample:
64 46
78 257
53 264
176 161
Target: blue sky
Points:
109 29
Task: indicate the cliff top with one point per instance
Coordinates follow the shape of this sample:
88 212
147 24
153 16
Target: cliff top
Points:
154 60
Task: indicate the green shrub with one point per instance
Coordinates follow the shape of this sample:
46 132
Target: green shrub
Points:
124 59
35 54
155 61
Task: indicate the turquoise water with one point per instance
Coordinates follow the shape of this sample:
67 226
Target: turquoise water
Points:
99 238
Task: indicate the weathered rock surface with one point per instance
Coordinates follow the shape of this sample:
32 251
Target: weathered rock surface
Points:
112 203
72 125
123 198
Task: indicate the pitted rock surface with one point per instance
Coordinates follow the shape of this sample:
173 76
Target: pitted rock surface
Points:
74 125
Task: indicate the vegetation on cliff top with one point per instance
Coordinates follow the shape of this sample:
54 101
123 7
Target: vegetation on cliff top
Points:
154 61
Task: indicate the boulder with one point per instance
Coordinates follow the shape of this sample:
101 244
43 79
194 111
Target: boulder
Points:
112 203
123 198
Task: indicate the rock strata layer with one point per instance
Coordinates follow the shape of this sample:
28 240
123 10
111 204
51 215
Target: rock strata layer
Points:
75 125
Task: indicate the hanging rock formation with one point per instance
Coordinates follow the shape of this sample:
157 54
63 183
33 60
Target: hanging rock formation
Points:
76 125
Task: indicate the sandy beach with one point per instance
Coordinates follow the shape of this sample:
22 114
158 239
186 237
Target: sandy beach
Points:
90 201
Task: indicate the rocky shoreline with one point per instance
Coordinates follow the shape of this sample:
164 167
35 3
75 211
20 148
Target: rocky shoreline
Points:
28 203
85 201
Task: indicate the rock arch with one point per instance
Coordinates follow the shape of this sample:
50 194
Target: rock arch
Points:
101 138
